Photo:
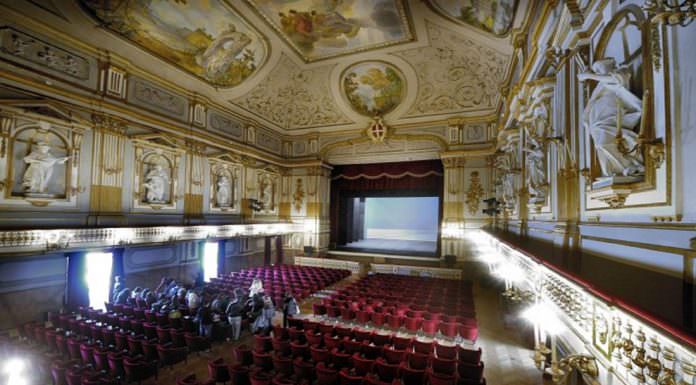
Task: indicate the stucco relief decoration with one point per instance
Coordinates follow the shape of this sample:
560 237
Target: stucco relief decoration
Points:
208 39
151 95
299 195
322 29
294 98
226 125
455 74
46 55
475 193
377 131
373 88
493 16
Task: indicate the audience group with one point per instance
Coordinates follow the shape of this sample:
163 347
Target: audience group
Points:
214 313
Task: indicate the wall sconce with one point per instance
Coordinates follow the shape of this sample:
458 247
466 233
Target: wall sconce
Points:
512 274
545 323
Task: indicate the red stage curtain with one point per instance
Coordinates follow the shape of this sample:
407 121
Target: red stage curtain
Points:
401 179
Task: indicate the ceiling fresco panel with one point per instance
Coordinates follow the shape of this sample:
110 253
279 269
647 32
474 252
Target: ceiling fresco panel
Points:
494 16
373 88
321 29
206 38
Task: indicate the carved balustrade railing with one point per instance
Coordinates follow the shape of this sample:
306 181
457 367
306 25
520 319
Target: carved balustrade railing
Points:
28 241
635 349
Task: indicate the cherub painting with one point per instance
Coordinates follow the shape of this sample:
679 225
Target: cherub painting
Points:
204 37
319 29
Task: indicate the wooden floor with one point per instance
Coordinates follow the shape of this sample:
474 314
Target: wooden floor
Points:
506 361
394 245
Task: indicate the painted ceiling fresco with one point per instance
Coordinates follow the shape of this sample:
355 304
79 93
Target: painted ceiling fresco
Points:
320 29
373 88
204 37
493 16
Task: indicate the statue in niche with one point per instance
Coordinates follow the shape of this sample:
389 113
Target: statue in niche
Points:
156 183
266 194
536 154
611 116
40 163
506 181
223 197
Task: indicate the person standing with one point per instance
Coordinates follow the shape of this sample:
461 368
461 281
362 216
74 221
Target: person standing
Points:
234 316
205 319
290 308
264 321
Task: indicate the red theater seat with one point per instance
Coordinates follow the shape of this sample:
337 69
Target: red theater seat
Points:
326 375
218 370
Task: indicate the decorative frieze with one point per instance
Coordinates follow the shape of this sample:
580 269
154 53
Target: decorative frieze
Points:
150 95
226 125
21 45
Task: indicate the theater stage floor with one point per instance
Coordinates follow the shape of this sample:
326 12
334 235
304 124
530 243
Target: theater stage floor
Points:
392 246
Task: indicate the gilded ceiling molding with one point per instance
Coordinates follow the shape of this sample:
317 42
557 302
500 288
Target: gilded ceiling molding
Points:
464 78
292 98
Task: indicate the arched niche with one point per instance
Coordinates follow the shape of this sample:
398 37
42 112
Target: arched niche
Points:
51 177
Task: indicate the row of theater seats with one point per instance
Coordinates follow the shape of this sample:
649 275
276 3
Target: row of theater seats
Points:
463 327
419 294
310 351
302 281
127 342
399 302
91 352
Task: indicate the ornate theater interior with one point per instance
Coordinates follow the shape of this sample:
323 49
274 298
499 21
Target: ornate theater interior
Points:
397 192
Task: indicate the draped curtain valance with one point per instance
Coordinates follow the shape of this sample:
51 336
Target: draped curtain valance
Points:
402 178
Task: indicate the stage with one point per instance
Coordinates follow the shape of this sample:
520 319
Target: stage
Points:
392 246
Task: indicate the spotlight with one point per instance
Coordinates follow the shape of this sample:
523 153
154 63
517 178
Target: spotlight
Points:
14 368
14 365
543 316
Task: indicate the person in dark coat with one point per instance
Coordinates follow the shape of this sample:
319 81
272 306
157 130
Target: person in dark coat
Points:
290 308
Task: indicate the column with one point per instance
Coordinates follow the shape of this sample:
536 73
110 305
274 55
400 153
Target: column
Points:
106 194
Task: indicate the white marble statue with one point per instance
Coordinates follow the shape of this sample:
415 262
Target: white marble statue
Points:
40 163
507 180
612 103
223 197
156 183
536 168
266 197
